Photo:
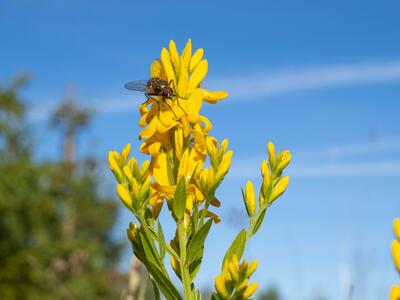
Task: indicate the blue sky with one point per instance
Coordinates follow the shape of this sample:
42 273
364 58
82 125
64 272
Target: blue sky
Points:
320 78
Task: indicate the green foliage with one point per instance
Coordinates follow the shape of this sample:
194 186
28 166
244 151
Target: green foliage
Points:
55 227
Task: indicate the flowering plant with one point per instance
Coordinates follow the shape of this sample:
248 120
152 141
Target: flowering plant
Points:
395 291
186 167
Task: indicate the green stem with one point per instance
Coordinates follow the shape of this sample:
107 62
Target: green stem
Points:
253 222
184 268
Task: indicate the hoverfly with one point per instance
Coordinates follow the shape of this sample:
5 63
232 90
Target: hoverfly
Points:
156 87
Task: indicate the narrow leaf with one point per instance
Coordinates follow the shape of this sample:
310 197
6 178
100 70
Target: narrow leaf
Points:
161 241
164 283
155 289
259 221
179 203
237 246
196 244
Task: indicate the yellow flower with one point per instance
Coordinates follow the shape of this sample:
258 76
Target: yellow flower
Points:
395 292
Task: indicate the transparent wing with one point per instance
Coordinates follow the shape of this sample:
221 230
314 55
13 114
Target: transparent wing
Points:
137 85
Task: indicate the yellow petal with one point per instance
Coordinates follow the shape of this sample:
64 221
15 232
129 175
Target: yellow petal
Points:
154 149
178 145
156 69
167 64
198 75
396 228
183 81
196 58
207 123
150 130
251 268
213 97
161 170
396 254
194 105
174 55
187 54
166 117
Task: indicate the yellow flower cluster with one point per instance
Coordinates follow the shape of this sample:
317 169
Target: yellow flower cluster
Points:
233 282
177 138
395 291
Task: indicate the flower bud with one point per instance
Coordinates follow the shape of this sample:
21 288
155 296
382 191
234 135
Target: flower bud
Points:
272 155
125 153
279 189
395 292
224 166
220 287
251 268
114 167
250 290
250 199
124 196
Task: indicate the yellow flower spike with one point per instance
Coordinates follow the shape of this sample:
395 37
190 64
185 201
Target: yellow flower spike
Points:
396 228
279 189
183 82
396 254
224 165
199 73
178 139
187 54
207 123
213 97
220 287
154 149
249 291
156 69
395 292
251 268
272 155
174 55
167 64
250 199
124 196
193 106
196 58
161 170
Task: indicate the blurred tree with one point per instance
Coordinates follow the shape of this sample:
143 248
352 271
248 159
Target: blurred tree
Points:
269 294
39 257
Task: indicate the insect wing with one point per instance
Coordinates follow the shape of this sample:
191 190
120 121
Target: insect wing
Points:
137 85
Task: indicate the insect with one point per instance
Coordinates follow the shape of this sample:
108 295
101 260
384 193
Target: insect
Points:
156 87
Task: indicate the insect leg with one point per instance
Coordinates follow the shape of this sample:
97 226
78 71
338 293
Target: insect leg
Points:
170 109
177 101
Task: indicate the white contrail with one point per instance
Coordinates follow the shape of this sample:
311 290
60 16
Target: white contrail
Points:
309 78
264 84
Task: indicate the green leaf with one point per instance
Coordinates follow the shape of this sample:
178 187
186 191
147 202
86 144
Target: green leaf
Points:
237 246
150 251
194 268
179 203
259 221
155 289
163 283
161 241
196 244
215 296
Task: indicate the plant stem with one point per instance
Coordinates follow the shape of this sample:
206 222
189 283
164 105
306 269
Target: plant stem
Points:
184 268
